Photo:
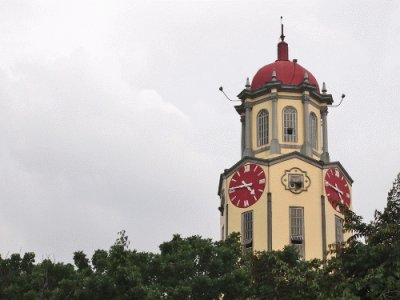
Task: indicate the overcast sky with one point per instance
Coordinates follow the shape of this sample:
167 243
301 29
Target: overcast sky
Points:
110 115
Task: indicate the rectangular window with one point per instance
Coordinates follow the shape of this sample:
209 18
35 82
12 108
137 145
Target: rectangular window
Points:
262 127
290 125
339 229
297 228
247 229
222 233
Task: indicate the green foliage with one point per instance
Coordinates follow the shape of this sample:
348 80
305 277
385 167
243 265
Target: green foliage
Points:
367 266
284 275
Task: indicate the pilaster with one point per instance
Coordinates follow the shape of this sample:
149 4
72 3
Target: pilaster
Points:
306 148
247 138
275 146
325 151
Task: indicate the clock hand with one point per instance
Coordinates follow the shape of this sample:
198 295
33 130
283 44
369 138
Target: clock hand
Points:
239 186
339 193
247 185
341 200
334 187
338 190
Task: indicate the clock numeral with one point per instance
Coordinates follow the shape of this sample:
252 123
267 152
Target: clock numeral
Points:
348 195
345 185
238 202
337 174
233 198
261 181
246 203
260 173
255 168
255 198
238 174
246 168
233 180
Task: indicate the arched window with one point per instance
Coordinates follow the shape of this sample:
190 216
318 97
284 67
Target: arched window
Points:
262 128
289 124
314 130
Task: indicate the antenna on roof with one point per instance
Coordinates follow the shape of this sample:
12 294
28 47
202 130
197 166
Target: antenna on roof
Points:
222 91
282 35
341 100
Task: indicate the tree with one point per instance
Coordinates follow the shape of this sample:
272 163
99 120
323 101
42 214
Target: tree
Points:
284 275
368 266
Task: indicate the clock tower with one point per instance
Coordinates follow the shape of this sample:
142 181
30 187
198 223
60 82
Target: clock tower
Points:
284 190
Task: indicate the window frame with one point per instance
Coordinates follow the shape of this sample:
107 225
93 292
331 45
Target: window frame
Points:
289 119
262 128
247 229
339 237
313 130
296 236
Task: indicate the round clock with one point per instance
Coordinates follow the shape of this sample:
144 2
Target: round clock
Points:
337 189
247 185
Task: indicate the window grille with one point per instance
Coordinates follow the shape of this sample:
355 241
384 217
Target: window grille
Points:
262 128
314 130
247 229
297 228
290 125
339 229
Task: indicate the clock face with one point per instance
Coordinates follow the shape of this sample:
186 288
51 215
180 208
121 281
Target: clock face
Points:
337 189
247 185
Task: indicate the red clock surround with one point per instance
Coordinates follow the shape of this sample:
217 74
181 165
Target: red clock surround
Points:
247 185
337 189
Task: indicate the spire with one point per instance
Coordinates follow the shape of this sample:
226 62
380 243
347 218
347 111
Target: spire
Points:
273 75
247 86
283 49
282 35
305 77
324 90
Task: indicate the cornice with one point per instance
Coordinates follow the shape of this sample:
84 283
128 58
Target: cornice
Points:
267 89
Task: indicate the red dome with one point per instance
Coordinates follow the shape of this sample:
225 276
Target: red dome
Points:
288 72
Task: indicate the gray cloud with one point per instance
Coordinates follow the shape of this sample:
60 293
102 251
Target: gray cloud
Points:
110 116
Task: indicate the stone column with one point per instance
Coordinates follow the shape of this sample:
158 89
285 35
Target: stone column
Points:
269 221
325 152
243 124
323 228
275 147
247 137
306 148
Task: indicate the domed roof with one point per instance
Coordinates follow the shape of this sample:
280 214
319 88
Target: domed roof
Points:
286 71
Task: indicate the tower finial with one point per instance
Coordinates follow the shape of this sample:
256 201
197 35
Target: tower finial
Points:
247 86
283 49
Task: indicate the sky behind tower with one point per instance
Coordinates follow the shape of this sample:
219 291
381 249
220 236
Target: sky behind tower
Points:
111 118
